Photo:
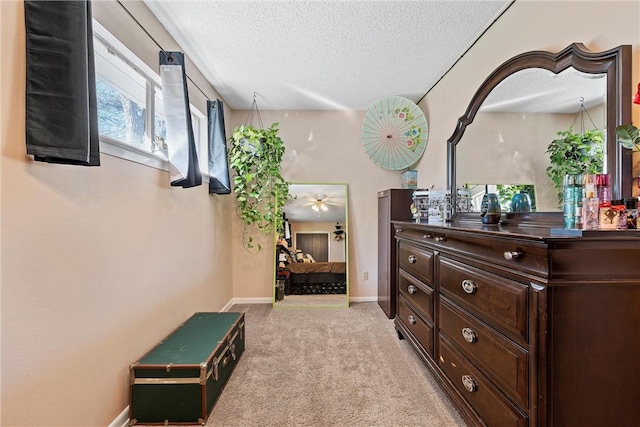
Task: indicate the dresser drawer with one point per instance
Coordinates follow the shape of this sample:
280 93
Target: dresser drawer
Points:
490 405
520 255
419 295
421 330
499 301
499 358
416 261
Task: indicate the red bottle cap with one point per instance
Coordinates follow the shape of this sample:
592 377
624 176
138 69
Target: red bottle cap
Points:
602 180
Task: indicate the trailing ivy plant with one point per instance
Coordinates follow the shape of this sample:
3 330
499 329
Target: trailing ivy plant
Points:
575 153
261 192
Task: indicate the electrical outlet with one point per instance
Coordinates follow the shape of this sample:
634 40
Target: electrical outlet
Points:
365 275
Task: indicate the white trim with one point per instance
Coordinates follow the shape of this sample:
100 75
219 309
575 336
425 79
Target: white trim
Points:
253 300
121 420
227 305
115 148
269 300
129 56
363 299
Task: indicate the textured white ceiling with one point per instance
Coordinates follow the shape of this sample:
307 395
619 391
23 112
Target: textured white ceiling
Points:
536 90
324 55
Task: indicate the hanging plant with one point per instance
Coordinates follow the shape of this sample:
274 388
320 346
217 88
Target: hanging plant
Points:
629 135
261 191
575 153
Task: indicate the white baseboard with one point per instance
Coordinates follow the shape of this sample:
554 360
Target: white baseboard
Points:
268 300
363 299
253 300
228 305
121 420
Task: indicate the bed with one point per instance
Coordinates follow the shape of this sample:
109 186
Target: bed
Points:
317 278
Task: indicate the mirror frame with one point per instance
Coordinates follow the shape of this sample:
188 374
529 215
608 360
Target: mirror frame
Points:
615 63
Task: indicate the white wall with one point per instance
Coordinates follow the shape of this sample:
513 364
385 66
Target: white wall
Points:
98 264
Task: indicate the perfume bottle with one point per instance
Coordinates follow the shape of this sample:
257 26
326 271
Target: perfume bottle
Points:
590 203
571 193
603 187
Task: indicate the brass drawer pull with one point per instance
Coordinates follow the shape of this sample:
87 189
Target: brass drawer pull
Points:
511 255
412 259
469 383
469 335
412 320
412 289
469 286
440 239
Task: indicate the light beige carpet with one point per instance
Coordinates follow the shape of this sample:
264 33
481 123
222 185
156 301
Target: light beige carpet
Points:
328 367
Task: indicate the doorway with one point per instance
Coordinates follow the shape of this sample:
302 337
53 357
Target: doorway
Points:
316 244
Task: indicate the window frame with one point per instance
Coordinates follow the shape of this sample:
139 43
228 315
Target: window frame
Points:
116 148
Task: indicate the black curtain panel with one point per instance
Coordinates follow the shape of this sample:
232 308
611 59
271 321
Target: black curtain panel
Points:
218 163
61 108
183 158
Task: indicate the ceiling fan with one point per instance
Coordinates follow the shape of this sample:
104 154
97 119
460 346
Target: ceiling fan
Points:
320 203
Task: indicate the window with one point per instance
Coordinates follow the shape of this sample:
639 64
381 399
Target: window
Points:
130 108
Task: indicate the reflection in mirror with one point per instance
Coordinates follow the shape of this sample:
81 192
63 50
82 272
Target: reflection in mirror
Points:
512 197
311 254
519 118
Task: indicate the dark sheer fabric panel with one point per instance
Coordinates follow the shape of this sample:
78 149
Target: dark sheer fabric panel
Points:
218 163
61 105
183 157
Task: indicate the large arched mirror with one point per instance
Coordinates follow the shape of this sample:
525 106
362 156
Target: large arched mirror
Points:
517 112
311 254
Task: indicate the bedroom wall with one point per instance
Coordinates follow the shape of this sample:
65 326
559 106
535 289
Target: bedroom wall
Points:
325 145
98 264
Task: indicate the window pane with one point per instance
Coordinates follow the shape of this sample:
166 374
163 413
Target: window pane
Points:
121 91
120 117
159 142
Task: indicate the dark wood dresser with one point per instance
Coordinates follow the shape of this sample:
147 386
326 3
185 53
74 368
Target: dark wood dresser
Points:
522 328
393 204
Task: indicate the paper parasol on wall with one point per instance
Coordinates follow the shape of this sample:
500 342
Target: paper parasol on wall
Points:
394 133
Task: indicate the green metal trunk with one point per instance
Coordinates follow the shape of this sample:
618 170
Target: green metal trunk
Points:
180 379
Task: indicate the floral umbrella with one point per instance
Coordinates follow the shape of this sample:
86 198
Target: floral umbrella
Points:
394 133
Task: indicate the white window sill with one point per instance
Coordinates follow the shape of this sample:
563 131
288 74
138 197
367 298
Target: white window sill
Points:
158 160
